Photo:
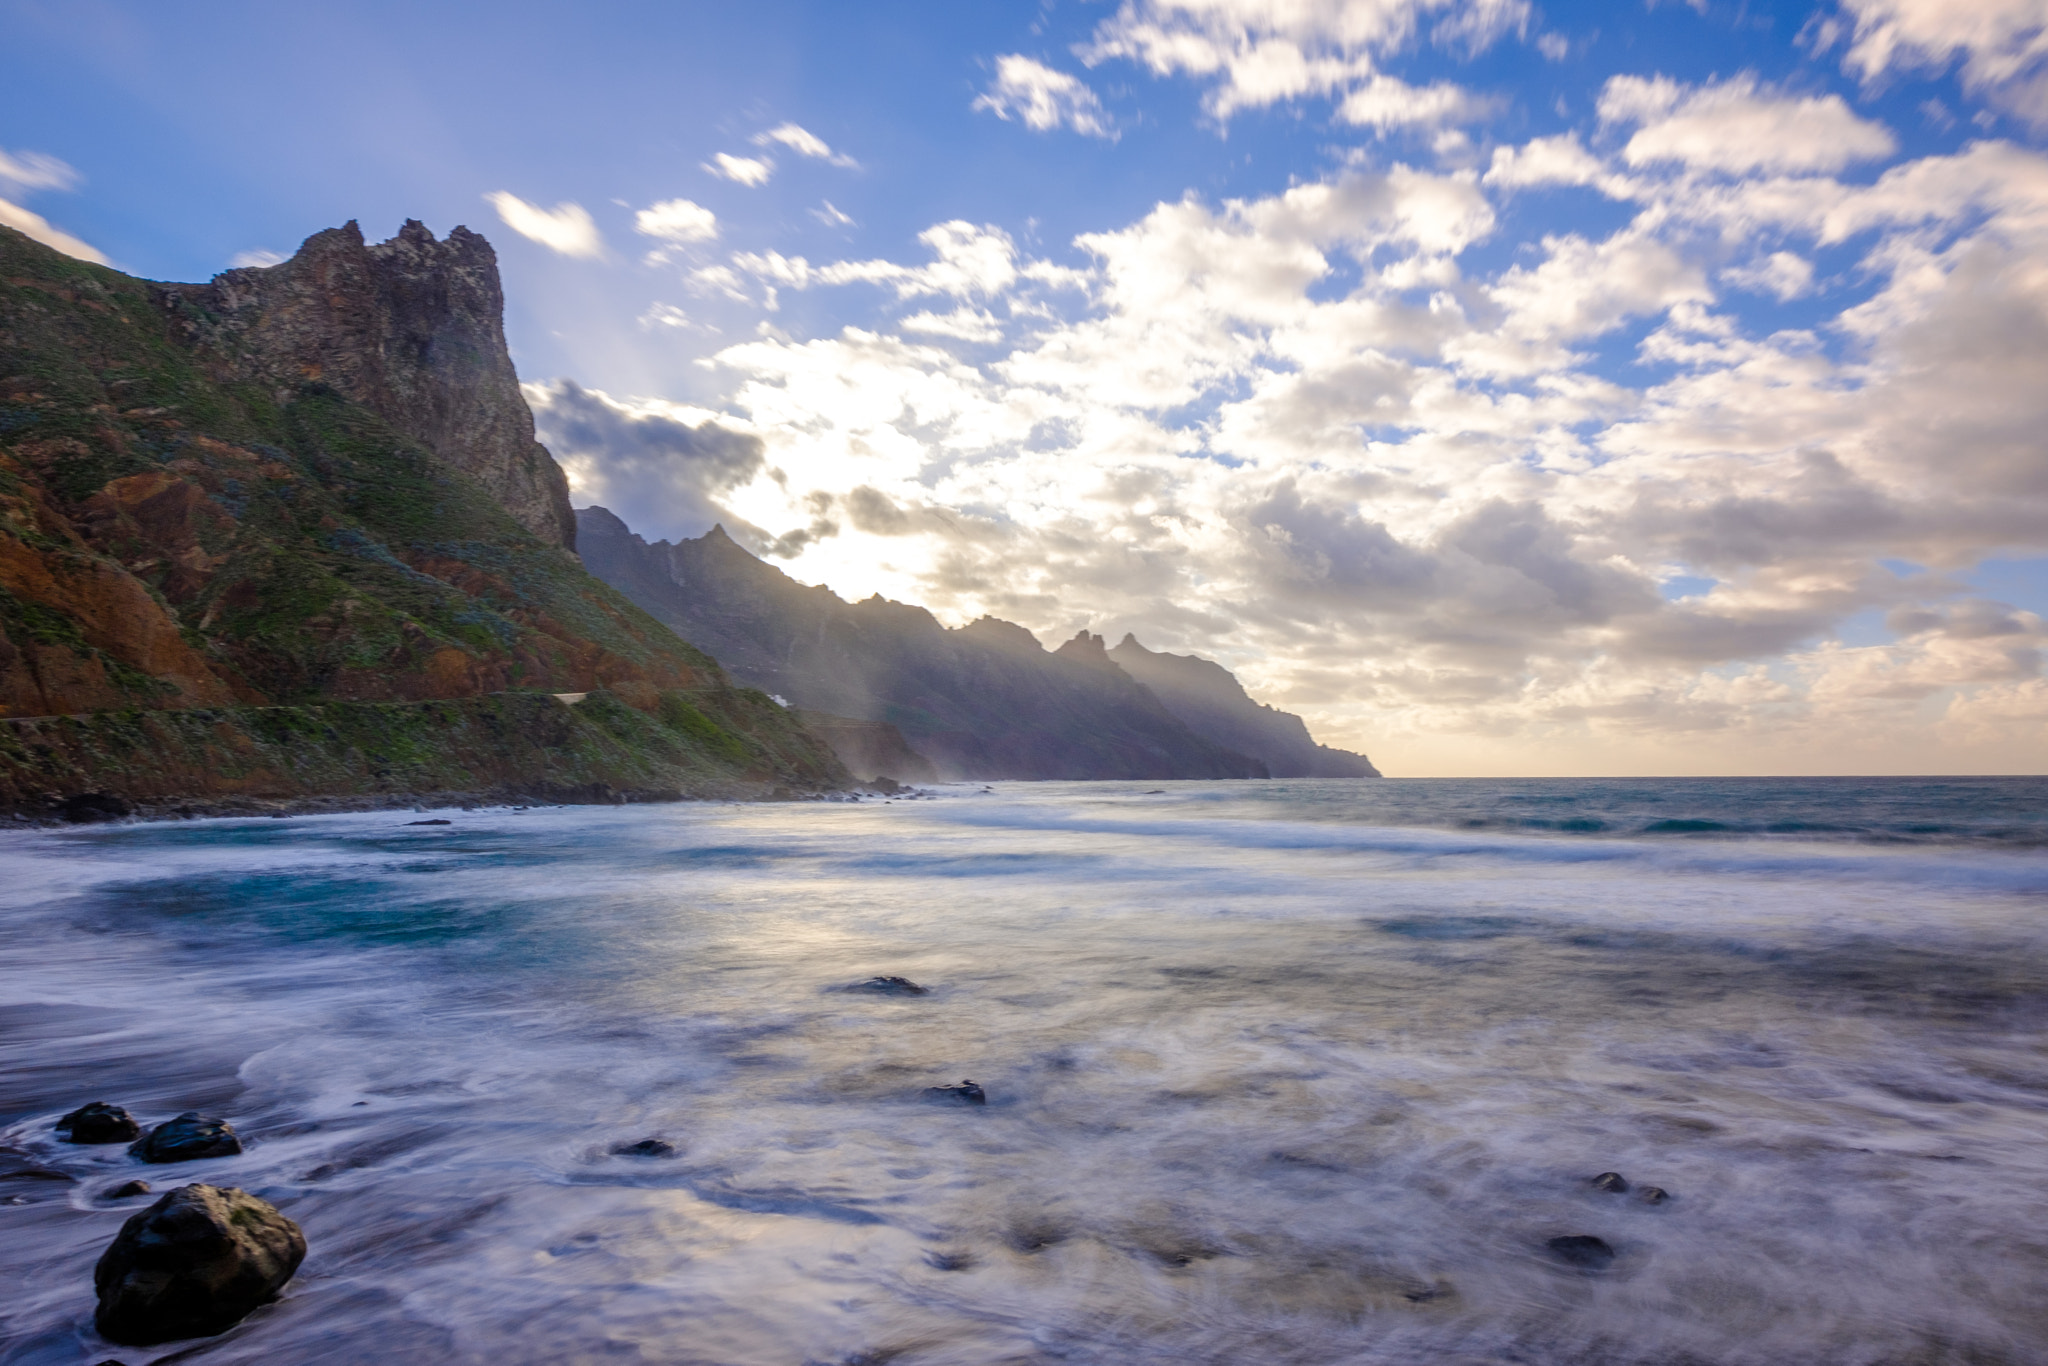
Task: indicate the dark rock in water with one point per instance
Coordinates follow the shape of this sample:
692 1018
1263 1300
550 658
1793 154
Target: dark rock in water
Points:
128 1190
1583 1250
891 986
432 822
966 1093
1652 1195
1610 1182
37 1174
86 807
646 1147
188 1138
193 1264
99 1122
949 1261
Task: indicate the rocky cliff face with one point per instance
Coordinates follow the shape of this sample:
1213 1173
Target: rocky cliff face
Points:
984 701
285 488
411 329
1212 702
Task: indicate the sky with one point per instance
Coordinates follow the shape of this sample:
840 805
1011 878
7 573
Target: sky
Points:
1506 387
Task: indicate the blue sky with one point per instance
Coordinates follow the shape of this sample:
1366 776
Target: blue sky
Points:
1507 387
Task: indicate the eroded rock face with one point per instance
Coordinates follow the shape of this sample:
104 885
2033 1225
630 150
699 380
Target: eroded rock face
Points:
188 1138
413 330
193 1264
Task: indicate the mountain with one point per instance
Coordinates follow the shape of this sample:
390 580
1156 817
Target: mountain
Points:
982 701
1212 702
315 485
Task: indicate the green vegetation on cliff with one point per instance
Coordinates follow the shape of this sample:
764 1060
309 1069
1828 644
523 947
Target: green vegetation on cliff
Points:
187 525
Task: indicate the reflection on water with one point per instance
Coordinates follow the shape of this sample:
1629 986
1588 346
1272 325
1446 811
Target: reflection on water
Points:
1275 1073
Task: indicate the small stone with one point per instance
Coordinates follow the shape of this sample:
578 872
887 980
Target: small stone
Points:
1652 1195
966 1093
1583 1250
891 986
433 822
646 1147
1610 1182
193 1264
99 1122
186 1139
128 1189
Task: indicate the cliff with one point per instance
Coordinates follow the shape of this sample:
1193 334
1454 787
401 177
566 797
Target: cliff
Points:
1212 702
309 484
982 701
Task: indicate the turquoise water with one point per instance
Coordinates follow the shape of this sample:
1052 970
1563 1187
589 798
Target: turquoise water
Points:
1277 1072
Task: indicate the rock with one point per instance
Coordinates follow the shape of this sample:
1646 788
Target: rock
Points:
193 1264
1652 1195
186 1139
432 822
891 986
646 1147
1583 1250
966 1093
86 807
128 1189
1610 1182
99 1122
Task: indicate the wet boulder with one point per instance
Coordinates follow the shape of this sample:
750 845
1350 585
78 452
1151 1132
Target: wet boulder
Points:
193 1264
966 1093
890 986
1610 1182
128 1190
99 1122
86 807
187 1138
1583 1250
1652 1195
646 1147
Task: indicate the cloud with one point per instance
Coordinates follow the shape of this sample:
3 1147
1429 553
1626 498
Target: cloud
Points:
678 222
1254 53
648 455
804 143
1385 102
1739 126
749 171
35 226
1042 98
255 259
566 228
2003 45
831 216
36 171
1783 274
1559 160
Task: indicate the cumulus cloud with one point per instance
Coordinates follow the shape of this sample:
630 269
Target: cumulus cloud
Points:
645 455
804 143
749 171
1739 126
1042 98
1252 53
1387 102
2002 44
679 222
35 226
567 228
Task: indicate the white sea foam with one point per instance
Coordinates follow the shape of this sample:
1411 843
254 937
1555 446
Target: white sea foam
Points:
1266 1083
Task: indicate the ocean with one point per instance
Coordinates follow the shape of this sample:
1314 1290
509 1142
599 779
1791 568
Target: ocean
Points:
1276 1072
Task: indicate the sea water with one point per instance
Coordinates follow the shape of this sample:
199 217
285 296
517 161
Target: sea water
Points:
1283 1072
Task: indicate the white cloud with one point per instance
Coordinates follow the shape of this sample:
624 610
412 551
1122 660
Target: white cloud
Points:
36 171
1739 126
1559 160
804 143
566 228
34 225
677 221
1386 102
750 171
1254 53
2003 44
1042 98
832 216
1784 274
257 259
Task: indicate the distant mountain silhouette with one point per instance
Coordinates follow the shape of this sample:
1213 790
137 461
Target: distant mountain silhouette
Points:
982 701
1212 702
